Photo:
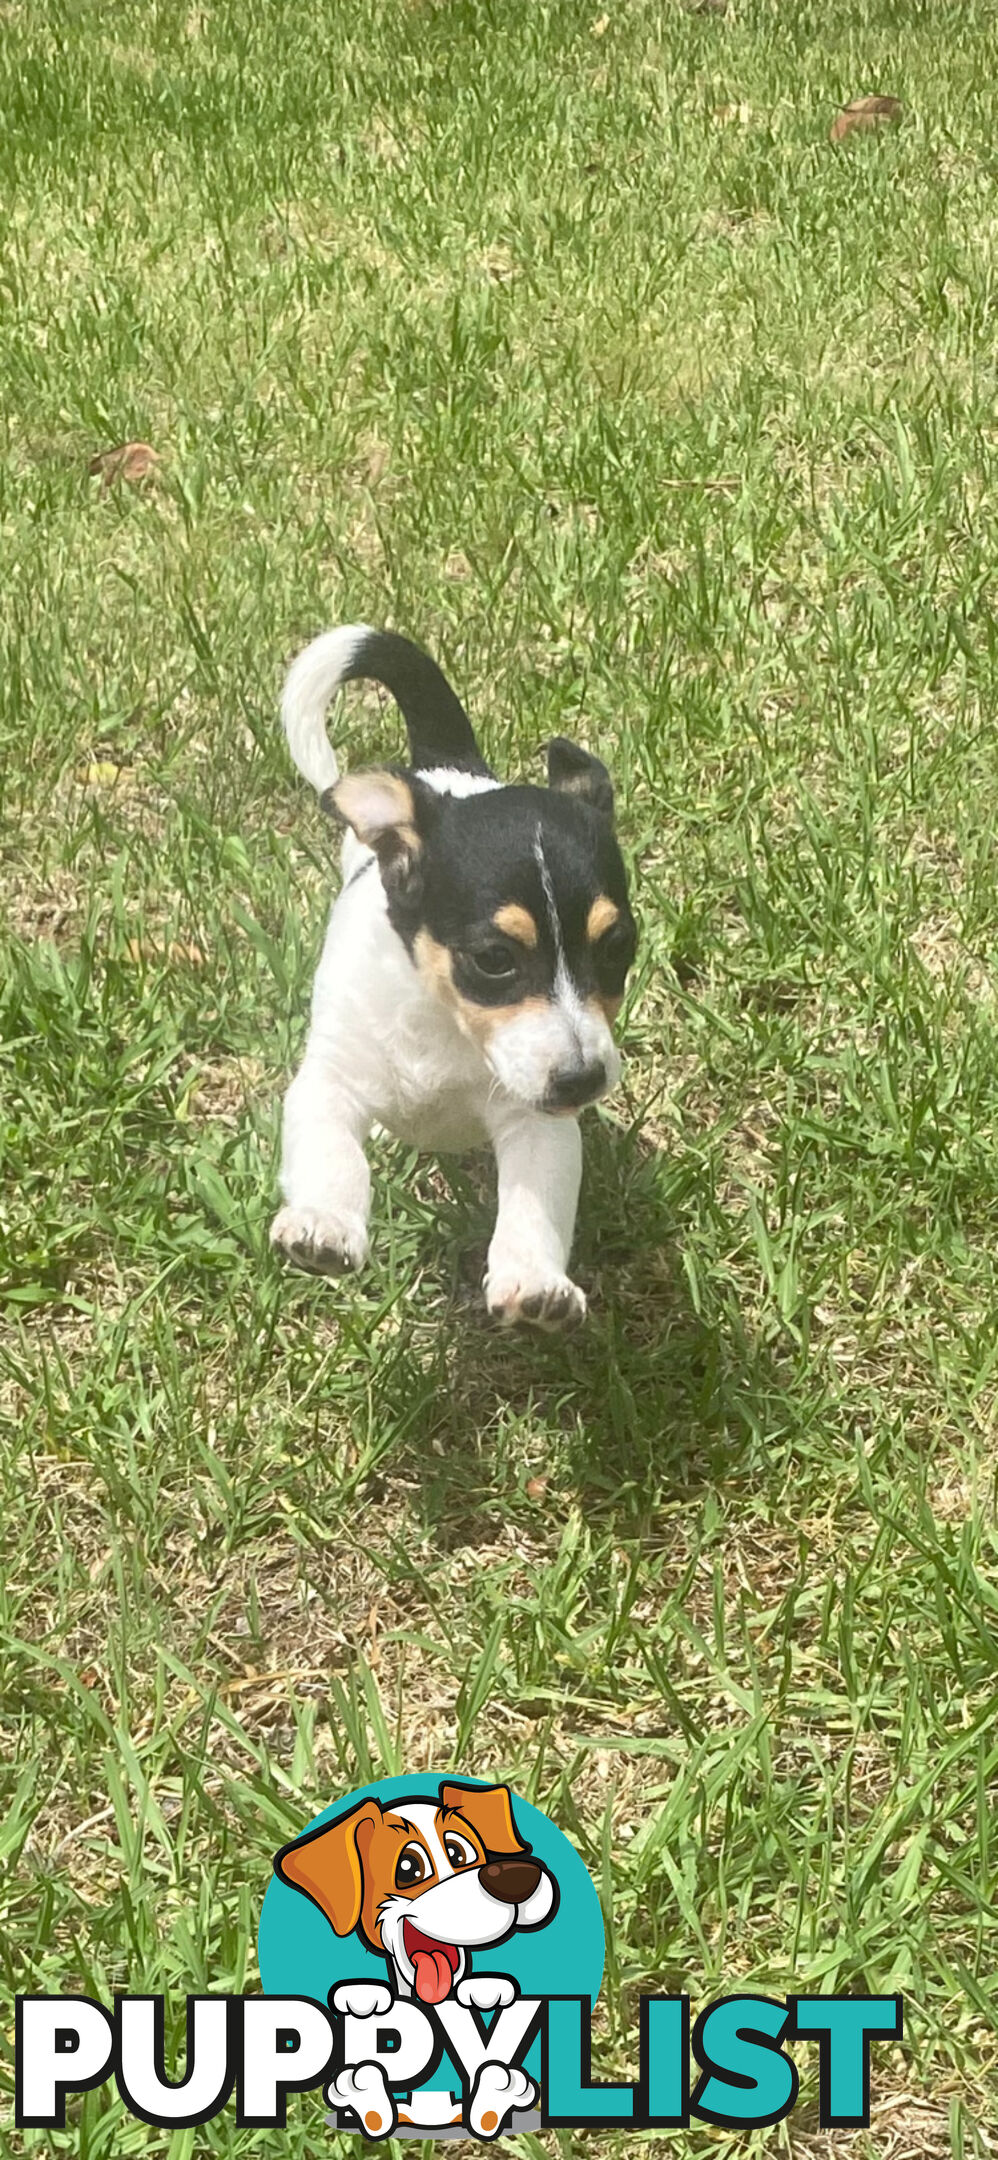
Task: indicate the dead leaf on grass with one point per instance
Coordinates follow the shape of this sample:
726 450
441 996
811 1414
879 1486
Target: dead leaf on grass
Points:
131 461
377 460
864 112
139 949
101 772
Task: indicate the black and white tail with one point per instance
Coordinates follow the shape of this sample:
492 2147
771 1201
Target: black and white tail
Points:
440 732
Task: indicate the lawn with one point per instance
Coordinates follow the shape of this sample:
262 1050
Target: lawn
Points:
566 342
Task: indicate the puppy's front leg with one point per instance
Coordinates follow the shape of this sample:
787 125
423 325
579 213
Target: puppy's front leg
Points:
540 1168
498 2090
324 1175
362 2088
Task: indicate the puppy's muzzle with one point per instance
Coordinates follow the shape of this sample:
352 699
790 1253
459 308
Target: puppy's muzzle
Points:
571 1090
510 1881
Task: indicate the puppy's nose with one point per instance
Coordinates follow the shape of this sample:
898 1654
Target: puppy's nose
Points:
569 1090
511 1881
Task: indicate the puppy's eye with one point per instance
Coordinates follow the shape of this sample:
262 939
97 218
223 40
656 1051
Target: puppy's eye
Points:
495 962
458 1852
615 949
410 1867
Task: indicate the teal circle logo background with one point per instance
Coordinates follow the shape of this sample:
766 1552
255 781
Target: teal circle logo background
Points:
300 1955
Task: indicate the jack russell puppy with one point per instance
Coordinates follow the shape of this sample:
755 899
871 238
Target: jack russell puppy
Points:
474 961
426 1883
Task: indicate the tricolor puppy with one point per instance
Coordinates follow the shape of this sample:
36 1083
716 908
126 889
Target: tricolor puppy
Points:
425 1884
474 961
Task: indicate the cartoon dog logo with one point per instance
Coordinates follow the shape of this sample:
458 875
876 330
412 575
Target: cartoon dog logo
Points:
428 1884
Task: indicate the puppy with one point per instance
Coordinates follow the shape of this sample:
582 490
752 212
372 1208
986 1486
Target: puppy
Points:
426 1884
474 962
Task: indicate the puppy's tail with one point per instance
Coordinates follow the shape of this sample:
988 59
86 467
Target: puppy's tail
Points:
440 732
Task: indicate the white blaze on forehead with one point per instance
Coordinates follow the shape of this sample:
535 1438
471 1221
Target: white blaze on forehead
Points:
565 991
424 1817
549 899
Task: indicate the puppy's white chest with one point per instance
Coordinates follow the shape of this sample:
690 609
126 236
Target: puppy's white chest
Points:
386 1037
446 1126
434 1087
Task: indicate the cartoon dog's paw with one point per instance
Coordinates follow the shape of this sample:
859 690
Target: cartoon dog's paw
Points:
361 1998
486 1991
517 1295
497 2091
321 1244
362 2087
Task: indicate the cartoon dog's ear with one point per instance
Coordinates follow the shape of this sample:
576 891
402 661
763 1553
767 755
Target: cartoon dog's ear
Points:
388 814
327 1865
576 772
489 1811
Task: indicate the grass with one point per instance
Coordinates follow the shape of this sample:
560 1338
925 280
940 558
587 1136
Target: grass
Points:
565 342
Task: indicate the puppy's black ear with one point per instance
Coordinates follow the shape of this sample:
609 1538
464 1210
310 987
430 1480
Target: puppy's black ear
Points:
576 772
389 814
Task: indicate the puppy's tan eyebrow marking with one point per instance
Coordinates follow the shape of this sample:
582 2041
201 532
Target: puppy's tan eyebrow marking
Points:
602 915
454 1815
517 922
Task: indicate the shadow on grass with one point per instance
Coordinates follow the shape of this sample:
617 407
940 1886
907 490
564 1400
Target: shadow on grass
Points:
649 1401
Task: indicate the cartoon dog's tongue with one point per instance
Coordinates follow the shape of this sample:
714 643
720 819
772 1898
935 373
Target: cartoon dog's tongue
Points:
433 1975
434 1964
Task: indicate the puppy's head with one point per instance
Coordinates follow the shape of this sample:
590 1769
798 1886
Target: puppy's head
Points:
513 905
426 1882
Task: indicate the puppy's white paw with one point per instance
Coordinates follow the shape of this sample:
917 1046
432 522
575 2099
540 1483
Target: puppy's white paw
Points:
498 2090
486 1991
321 1244
362 2087
519 1295
361 1998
